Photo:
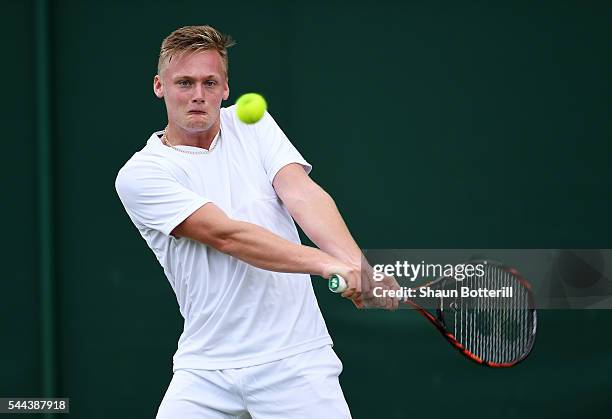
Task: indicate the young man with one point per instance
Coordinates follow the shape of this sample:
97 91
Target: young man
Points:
215 200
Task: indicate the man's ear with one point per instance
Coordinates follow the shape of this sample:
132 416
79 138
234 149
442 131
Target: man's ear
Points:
227 92
158 87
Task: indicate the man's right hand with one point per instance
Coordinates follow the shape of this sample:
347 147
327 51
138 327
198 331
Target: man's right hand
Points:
352 276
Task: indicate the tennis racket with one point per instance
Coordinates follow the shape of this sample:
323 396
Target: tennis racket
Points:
494 332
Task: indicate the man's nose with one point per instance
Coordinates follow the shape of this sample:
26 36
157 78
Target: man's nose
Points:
198 95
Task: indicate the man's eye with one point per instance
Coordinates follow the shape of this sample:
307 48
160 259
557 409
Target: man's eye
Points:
211 83
184 83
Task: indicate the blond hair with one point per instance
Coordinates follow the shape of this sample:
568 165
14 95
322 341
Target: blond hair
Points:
194 39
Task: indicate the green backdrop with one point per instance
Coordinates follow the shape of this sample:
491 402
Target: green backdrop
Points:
433 125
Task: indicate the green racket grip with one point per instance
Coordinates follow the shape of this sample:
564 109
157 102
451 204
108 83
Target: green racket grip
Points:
337 284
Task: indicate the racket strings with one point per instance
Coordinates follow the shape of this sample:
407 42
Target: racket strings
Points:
495 329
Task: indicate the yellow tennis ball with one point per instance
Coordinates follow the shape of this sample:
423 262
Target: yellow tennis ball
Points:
250 107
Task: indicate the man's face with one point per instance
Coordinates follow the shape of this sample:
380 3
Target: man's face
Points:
193 86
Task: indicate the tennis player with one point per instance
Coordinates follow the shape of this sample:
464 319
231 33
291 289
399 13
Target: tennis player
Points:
216 199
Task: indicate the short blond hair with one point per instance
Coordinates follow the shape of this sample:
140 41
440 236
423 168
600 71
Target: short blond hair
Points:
194 39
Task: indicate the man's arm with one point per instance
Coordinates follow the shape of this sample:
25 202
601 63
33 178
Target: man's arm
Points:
316 213
258 246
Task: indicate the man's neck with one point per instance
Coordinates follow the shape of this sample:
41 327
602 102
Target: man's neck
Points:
202 139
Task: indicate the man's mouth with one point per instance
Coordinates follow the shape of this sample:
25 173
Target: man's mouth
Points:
197 112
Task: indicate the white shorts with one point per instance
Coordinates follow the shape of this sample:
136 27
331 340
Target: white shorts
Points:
298 387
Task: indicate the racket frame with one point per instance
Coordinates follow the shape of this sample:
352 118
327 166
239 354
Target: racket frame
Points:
438 320
337 284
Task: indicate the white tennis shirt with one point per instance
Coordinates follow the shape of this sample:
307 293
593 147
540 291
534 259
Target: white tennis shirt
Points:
236 315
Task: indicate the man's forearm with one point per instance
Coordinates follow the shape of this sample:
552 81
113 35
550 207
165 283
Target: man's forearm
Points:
255 245
317 215
262 248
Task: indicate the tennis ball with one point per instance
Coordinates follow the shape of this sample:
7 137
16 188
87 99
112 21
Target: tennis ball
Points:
250 107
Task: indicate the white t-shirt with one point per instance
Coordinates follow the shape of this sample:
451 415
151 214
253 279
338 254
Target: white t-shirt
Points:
236 315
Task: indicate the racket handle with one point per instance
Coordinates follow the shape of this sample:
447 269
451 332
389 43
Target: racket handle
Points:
337 284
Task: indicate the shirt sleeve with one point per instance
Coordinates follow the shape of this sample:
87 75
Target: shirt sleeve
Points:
275 149
153 198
